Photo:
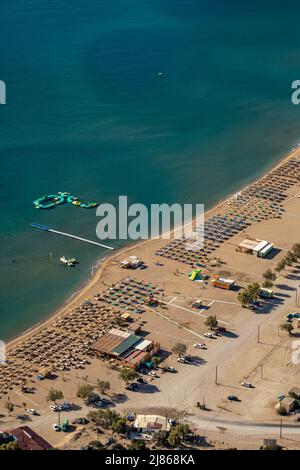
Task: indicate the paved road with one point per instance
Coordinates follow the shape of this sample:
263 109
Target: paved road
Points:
216 424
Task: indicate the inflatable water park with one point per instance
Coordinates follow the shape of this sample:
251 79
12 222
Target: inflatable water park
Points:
53 200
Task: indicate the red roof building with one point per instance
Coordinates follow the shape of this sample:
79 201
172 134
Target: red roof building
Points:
27 439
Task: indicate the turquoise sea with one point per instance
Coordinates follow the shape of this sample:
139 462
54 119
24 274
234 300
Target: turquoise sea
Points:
160 100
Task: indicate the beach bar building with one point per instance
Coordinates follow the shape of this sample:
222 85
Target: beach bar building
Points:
125 347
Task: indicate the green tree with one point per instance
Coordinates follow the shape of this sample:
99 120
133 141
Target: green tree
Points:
179 349
54 395
280 266
267 284
128 375
119 425
268 275
296 249
95 445
161 438
103 386
245 297
84 391
177 434
287 327
137 444
254 290
9 406
10 446
104 418
211 321
290 258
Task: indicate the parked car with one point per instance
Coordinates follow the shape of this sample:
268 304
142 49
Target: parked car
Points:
109 441
152 373
170 369
183 360
209 335
80 421
28 389
141 380
200 346
31 411
92 399
99 404
55 427
132 387
219 330
40 377
233 398
247 385
53 407
66 406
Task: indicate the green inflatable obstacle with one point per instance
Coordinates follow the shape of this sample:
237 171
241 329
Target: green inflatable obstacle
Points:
53 200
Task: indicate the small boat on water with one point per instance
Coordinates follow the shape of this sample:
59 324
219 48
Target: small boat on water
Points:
68 261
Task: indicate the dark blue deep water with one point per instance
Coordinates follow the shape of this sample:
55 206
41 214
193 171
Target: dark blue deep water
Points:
160 100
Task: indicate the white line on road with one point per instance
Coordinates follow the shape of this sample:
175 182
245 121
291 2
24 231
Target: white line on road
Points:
175 322
192 311
209 305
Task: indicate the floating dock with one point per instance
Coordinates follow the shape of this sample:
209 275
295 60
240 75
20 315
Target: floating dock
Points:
47 229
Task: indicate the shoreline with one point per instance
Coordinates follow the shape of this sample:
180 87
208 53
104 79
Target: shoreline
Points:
100 265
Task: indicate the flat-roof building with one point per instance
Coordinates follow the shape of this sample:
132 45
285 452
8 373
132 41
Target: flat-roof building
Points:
258 248
151 423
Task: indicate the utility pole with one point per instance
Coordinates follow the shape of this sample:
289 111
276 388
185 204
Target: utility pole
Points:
216 376
258 332
280 434
261 371
278 329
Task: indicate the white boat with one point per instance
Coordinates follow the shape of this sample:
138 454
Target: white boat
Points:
68 261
